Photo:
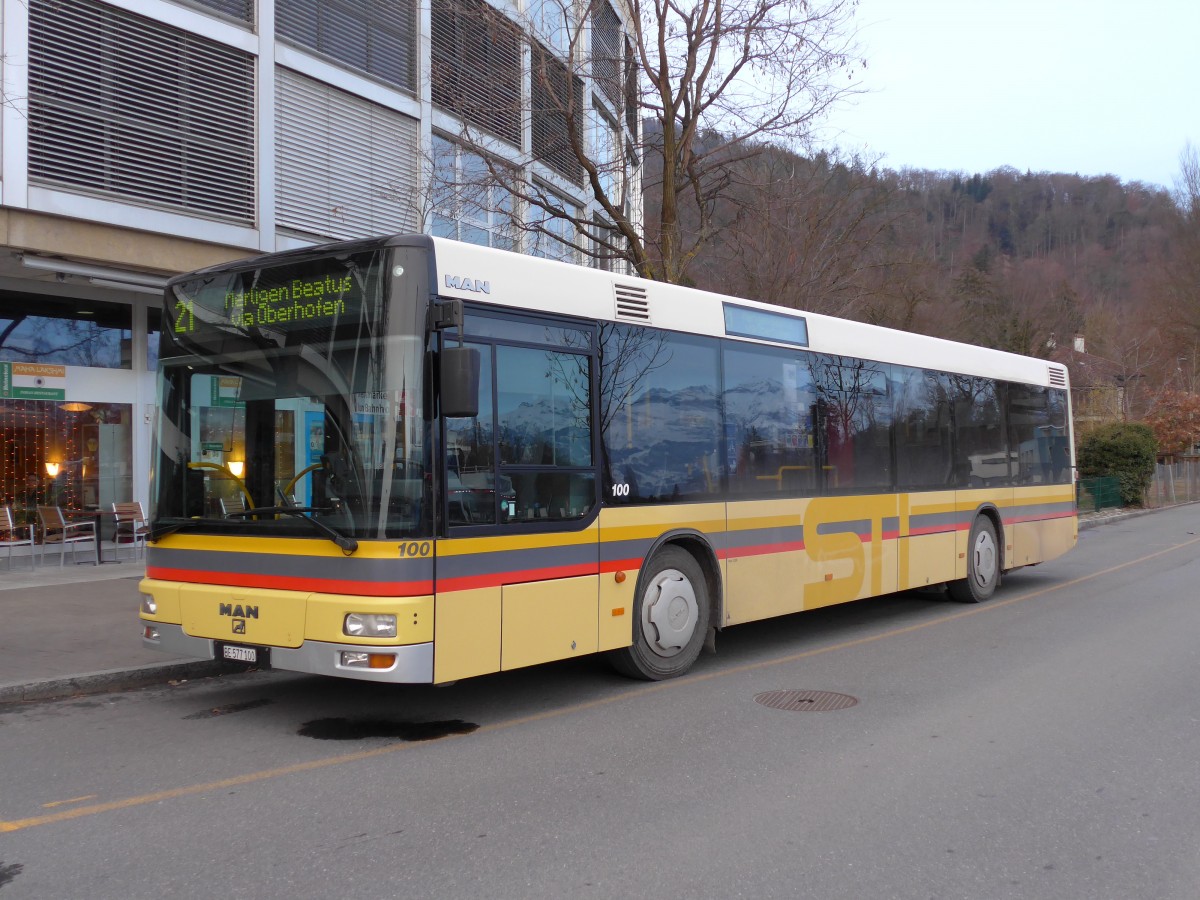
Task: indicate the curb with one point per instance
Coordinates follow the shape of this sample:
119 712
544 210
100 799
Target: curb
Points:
1122 514
110 681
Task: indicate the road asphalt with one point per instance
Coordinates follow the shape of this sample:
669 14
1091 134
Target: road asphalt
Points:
73 629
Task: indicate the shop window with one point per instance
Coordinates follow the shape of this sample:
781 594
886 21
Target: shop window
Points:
71 454
65 332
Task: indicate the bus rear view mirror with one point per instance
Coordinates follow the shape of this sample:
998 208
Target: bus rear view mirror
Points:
459 378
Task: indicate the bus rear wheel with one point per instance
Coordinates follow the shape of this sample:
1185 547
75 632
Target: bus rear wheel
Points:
983 565
670 618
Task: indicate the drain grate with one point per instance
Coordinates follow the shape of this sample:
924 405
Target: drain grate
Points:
805 701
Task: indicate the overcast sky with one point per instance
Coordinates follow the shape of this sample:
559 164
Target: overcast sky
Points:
1096 88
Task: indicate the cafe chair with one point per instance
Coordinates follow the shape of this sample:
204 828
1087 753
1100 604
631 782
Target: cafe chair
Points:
57 530
236 504
131 526
12 535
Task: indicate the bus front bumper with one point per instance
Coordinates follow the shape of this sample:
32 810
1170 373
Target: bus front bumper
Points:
413 662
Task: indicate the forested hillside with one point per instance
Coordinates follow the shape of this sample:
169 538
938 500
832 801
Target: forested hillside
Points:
1037 263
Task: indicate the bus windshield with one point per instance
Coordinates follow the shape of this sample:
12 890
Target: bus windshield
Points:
295 390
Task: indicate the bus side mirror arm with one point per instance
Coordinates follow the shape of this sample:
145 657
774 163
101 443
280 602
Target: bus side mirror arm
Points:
458 367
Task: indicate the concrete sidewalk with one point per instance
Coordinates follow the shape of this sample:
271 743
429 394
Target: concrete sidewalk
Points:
75 630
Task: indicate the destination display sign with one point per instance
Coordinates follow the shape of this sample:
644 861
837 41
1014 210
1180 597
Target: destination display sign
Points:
317 294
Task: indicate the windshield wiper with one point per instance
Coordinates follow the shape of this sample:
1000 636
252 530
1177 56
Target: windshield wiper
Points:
163 530
347 544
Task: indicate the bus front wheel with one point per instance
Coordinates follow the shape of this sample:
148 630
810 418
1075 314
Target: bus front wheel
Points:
670 618
983 565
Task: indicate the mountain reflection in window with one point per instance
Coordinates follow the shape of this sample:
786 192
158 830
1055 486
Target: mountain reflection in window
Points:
659 415
770 429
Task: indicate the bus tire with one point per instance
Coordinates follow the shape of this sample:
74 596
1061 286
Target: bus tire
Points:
670 618
983 565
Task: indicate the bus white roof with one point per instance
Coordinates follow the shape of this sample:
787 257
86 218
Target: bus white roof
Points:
508 279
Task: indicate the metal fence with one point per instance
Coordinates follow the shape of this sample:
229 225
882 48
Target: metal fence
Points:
1092 494
1175 482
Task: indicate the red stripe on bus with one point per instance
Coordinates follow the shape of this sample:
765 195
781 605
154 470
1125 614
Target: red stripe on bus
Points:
918 532
620 565
761 550
290 583
1017 520
495 579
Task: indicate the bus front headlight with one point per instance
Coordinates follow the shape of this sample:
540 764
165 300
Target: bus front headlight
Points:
373 625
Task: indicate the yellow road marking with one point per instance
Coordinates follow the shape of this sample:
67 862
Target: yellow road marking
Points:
55 803
252 777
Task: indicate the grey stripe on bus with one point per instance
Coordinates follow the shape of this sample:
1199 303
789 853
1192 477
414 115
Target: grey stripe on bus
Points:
287 566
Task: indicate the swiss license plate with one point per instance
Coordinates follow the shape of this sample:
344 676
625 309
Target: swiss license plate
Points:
255 656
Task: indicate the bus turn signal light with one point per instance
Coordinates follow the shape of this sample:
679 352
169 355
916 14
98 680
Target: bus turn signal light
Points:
353 659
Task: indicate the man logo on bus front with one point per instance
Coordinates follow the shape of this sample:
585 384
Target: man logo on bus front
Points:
239 626
474 285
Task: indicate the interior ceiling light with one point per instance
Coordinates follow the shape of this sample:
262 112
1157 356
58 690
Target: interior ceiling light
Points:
74 406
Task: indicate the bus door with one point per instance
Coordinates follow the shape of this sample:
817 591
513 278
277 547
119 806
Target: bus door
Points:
517 560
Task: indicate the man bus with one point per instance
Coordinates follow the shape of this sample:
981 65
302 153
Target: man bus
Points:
415 460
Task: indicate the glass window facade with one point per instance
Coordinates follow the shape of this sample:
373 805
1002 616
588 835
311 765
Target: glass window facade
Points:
65 331
468 205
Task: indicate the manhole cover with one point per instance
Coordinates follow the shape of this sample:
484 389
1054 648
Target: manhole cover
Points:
805 701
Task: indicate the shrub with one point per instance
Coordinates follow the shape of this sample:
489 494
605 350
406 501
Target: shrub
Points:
1125 450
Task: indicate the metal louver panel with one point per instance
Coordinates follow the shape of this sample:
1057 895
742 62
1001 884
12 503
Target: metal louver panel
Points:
235 9
606 53
632 111
374 36
345 167
557 111
1058 376
124 106
633 305
476 66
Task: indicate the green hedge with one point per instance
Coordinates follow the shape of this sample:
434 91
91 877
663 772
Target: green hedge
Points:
1126 451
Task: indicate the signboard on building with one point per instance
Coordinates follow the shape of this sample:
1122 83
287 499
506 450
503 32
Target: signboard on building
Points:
32 381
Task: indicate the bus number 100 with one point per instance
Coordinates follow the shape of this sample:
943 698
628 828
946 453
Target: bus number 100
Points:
415 549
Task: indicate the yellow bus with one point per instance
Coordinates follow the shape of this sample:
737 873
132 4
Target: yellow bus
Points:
415 460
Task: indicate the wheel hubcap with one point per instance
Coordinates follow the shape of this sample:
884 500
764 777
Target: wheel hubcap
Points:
985 559
669 613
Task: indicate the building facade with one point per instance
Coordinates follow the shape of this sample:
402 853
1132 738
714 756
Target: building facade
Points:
143 138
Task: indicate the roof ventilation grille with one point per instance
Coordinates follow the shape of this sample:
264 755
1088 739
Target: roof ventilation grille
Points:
632 303
1058 376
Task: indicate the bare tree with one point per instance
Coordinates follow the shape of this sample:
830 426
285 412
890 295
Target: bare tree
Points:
676 98
1181 275
806 233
